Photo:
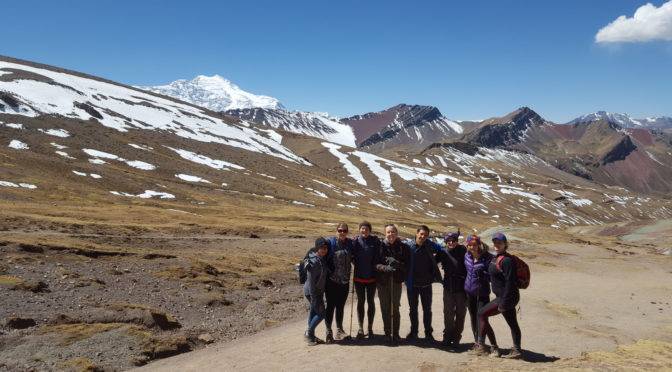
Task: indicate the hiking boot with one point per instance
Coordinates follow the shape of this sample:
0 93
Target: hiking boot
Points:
330 337
314 341
340 334
479 350
495 352
370 334
360 334
515 353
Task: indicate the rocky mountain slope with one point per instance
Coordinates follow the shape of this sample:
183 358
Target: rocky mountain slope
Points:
601 150
309 123
405 127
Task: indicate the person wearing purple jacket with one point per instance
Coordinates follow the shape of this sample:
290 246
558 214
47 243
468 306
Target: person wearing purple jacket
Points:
477 285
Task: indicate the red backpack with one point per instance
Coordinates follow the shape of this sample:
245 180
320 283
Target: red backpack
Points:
522 270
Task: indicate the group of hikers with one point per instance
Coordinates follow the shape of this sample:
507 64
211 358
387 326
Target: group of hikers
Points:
469 273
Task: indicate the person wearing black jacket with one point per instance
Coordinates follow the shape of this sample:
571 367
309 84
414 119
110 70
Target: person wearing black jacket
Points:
365 252
454 296
422 272
392 270
504 283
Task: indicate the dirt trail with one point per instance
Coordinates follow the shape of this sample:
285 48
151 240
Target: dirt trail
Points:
582 298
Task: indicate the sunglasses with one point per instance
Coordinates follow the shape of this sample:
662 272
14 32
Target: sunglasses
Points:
342 231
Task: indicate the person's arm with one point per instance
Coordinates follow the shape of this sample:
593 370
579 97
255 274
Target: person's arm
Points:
405 260
510 283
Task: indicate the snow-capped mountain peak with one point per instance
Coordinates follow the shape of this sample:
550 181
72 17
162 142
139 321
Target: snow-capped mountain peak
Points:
215 93
624 120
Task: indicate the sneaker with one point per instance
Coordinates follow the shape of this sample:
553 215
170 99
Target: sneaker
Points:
515 353
429 337
495 352
330 337
314 341
396 339
412 336
340 334
479 350
360 334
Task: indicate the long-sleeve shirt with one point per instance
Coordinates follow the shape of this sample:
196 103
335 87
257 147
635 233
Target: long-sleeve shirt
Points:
505 281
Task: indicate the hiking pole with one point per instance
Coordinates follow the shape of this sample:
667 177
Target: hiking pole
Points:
392 307
352 304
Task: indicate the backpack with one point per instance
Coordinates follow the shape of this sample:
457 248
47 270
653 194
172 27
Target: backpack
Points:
301 268
303 275
522 271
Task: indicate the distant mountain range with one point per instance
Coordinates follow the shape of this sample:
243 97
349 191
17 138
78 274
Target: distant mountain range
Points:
65 134
626 121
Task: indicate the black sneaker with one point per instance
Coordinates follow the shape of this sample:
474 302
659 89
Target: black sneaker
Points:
360 334
515 353
370 335
429 337
330 337
412 336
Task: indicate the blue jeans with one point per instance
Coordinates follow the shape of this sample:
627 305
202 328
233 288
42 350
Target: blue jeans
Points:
315 316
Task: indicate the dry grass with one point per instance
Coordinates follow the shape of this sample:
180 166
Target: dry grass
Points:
79 365
71 333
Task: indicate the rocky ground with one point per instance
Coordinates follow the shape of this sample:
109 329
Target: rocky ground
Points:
101 300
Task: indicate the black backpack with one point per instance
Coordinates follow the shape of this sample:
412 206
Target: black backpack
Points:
301 268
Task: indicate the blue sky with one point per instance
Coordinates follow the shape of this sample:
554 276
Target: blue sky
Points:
472 59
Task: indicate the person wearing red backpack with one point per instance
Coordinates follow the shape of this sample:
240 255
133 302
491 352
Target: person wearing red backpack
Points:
505 283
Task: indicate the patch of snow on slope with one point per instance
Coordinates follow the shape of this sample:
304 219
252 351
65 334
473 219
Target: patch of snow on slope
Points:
383 174
382 204
101 154
64 154
190 178
146 195
17 185
572 197
56 132
140 165
352 170
202 159
18 145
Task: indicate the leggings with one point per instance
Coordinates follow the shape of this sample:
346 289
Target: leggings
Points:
337 294
474 304
491 309
365 292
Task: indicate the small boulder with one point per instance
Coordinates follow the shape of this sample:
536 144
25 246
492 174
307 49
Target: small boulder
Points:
206 338
16 322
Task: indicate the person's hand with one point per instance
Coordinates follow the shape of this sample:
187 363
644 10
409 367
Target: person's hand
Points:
390 260
388 269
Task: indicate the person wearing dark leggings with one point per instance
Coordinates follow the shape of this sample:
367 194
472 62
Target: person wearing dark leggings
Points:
505 286
339 261
477 285
365 251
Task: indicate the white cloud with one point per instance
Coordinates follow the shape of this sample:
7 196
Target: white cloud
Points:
647 24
